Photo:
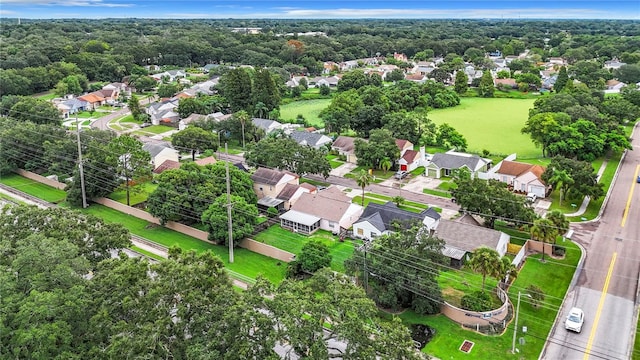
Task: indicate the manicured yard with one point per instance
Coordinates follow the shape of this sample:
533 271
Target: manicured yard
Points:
292 242
34 188
246 262
334 161
134 197
155 129
492 124
449 335
457 283
310 109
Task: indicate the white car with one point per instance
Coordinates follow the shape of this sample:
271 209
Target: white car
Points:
575 319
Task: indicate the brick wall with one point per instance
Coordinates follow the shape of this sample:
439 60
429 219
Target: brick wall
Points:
41 179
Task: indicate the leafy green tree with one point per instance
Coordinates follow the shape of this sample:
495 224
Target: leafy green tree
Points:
313 257
381 145
264 90
449 137
562 181
184 194
545 231
243 215
354 79
486 87
132 163
236 88
403 125
134 107
584 177
486 262
323 299
35 110
461 83
168 90
195 139
188 106
559 221
562 79
285 153
24 144
343 108
395 75
394 282
325 90
491 200
142 83
628 74
544 127
72 84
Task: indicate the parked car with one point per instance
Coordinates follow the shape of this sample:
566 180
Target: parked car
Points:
144 125
401 175
638 179
531 197
575 319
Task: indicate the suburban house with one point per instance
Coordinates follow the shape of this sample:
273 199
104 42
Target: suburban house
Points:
290 193
166 165
614 86
511 83
268 183
93 100
315 140
206 161
71 106
443 164
522 177
172 75
330 210
416 77
377 220
345 146
461 238
613 64
266 124
160 152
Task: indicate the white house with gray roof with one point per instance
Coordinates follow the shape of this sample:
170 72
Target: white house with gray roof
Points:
315 140
444 164
160 152
266 124
380 219
461 238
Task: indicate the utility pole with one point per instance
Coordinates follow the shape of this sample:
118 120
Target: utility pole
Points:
366 272
80 168
229 206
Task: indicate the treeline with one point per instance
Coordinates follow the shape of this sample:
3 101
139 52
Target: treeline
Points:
108 50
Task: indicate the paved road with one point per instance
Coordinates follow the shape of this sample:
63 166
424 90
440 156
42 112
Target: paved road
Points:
607 286
103 122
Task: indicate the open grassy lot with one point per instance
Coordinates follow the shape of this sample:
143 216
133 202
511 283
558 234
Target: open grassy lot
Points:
155 129
492 124
246 262
292 242
46 96
34 188
310 109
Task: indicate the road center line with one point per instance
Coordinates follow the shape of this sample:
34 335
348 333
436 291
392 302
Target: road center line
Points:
592 335
633 185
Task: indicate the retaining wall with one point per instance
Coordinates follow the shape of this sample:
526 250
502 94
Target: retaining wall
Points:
267 250
473 318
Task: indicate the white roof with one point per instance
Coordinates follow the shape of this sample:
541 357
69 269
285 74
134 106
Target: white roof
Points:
300 217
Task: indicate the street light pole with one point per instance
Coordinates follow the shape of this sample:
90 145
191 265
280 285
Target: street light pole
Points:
515 328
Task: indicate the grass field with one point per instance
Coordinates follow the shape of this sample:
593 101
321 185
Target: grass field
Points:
492 124
291 242
310 109
34 188
134 198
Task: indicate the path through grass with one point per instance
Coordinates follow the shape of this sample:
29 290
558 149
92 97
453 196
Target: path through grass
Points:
492 124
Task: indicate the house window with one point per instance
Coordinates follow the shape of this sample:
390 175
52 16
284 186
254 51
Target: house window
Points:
504 178
360 231
332 225
523 187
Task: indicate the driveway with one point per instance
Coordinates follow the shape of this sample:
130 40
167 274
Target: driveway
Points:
343 169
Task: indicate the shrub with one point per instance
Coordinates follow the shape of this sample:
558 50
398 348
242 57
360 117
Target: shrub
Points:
559 250
478 301
272 212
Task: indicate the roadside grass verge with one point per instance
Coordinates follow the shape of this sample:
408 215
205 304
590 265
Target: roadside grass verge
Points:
34 188
485 128
309 109
246 262
450 335
286 240
146 253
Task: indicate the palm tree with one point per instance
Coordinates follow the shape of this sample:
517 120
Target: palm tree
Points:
243 117
398 200
363 179
561 180
559 221
485 261
385 165
543 230
505 269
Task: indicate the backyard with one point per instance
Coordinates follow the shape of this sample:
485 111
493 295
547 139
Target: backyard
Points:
486 128
310 109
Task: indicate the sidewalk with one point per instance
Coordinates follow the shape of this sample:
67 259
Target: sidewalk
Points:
585 201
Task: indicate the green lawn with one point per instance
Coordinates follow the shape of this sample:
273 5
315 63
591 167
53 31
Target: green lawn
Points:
156 129
310 109
246 262
456 283
492 124
128 119
293 243
31 187
334 161
449 335
134 198
47 96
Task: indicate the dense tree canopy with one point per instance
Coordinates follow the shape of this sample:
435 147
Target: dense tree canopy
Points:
285 153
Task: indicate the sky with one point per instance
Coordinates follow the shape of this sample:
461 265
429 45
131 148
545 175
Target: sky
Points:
321 9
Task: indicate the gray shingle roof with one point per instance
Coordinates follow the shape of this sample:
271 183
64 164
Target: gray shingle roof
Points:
265 124
455 161
154 149
465 236
307 138
388 213
267 176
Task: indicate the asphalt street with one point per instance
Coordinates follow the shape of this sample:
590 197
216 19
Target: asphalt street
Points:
607 285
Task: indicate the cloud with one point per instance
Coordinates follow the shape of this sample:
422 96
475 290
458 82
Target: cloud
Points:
7 12
84 3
